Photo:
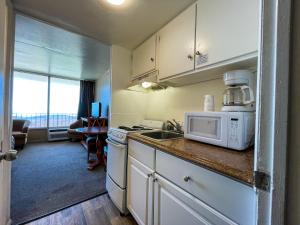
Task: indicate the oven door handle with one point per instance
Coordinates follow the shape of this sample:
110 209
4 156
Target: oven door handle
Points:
114 143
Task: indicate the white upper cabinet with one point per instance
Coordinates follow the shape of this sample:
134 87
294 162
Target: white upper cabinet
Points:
144 58
225 30
176 44
207 39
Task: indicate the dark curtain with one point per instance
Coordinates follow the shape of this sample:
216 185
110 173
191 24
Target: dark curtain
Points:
87 94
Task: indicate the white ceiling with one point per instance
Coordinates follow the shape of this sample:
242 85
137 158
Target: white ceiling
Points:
43 48
127 25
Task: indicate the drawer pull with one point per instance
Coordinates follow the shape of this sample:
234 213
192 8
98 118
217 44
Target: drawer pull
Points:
186 178
198 53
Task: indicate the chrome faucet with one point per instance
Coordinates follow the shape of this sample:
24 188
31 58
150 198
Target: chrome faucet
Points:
174 126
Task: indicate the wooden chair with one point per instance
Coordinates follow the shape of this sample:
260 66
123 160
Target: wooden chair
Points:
97 122
91 141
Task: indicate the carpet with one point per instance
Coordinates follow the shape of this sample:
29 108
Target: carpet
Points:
50 176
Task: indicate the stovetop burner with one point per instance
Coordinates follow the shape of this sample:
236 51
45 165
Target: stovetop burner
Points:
127 128
134 128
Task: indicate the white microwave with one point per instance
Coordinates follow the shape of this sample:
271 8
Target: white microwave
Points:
233 130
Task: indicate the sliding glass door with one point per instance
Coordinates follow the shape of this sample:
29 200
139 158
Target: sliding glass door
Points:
64 99
30 98
45 101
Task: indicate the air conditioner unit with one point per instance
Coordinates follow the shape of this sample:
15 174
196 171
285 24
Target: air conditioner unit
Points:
57 134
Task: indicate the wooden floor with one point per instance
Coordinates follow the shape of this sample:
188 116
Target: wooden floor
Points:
97 211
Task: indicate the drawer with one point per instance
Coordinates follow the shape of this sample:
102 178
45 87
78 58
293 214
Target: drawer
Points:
235 200
142 153
172 205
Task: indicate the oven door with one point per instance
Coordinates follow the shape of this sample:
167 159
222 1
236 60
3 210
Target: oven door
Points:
116 162
207 127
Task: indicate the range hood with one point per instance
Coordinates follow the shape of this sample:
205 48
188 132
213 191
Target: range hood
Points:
146 83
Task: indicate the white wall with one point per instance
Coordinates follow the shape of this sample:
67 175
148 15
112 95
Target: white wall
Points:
128 107
293 164
102 92
173 102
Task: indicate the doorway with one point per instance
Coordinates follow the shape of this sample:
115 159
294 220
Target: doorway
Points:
51 171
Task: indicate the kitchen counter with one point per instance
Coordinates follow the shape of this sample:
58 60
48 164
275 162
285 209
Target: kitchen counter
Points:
234 164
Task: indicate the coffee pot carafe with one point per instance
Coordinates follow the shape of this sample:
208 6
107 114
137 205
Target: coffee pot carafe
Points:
238 95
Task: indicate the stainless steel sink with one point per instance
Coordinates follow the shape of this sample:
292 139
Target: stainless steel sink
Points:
162 135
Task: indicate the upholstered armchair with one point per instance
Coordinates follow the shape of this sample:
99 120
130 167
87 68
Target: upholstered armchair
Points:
20 132
72 133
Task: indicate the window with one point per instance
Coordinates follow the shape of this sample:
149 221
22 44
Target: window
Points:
64 99
31 100
30 94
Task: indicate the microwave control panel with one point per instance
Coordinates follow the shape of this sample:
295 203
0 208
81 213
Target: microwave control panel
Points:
235 132
241 130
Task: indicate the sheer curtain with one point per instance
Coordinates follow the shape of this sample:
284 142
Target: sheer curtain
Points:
87 95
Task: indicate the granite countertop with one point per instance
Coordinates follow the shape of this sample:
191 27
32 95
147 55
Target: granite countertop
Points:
234 164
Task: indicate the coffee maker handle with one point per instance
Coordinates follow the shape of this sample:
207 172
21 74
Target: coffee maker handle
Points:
251 95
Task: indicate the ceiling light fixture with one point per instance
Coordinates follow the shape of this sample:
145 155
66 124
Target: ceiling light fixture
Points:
116 2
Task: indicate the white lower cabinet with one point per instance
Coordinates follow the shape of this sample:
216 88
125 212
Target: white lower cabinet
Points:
177 192
233 199
140 191
174 206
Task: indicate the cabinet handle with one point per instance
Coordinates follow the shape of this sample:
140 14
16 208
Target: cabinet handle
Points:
198 53
190 57
186 178
152 59
149 175
155 179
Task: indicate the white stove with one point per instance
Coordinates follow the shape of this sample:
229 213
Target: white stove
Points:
120 134
116 175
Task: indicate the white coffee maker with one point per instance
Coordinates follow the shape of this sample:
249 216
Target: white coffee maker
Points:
239 96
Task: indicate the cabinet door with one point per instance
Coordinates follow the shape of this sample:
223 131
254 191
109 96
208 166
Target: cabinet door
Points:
214 189
173 205
225 30
140 191
144 57
177 45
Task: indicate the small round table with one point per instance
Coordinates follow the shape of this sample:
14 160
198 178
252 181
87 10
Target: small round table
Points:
101 134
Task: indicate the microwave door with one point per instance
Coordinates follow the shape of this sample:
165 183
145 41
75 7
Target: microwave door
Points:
208 129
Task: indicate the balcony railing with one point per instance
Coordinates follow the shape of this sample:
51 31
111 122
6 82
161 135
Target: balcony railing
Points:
39 120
